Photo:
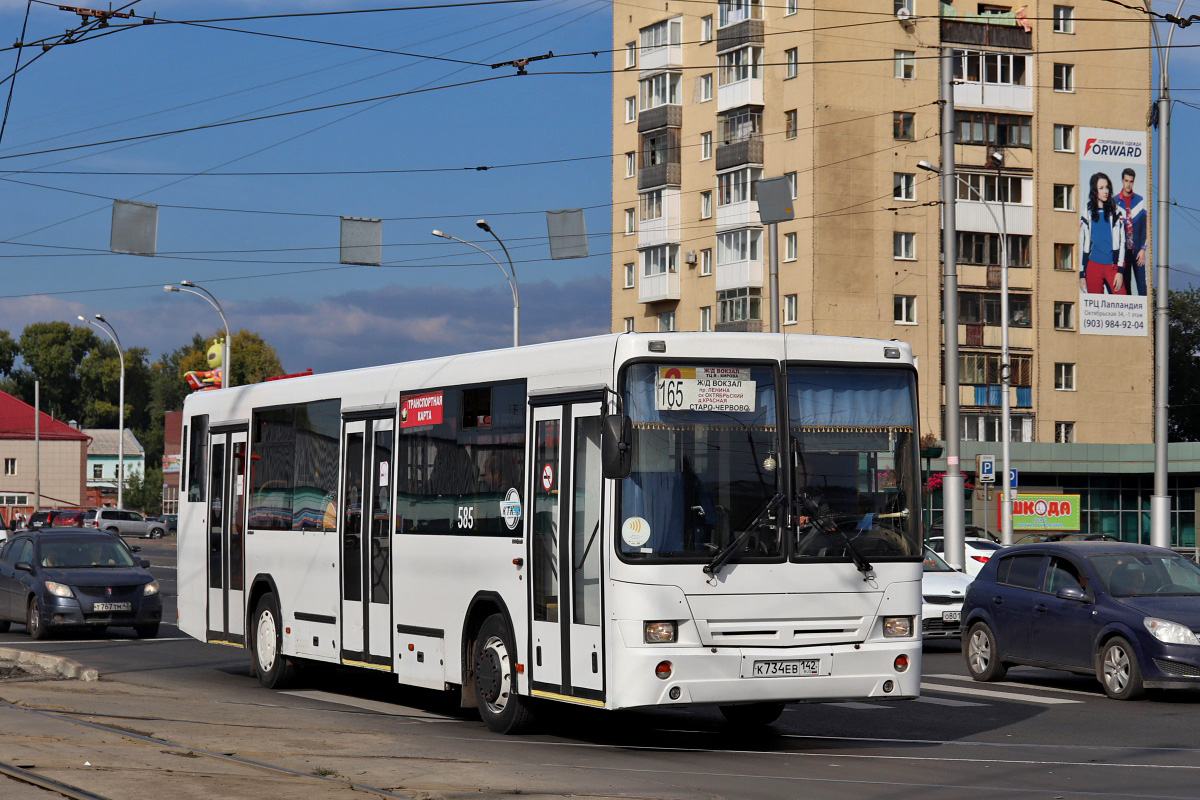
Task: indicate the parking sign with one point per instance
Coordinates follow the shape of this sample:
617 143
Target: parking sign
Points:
985 468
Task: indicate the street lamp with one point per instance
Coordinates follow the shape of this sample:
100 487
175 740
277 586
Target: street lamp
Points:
200 291
1006 532
511 278
111 332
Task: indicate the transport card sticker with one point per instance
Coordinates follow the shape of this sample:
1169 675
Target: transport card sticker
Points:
421 409
510 509
703 389
635 532
383 473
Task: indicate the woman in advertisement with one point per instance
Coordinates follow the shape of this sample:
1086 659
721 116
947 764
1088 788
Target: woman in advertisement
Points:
1101 240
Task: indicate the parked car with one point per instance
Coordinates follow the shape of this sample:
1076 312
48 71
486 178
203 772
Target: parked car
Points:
38 519
67 518
76 578
171 521
1125 613
978 551
943 589
125 523
1062 536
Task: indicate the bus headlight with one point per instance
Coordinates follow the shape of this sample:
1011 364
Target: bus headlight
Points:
897 627
662 632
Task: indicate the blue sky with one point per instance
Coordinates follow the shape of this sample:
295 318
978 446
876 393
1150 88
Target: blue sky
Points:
436 297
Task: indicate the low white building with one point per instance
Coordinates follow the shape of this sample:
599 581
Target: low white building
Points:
102 463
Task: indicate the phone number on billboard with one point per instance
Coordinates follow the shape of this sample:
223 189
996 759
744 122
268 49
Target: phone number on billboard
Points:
1126 324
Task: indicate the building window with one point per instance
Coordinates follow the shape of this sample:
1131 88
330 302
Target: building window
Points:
630 221
1064 377
706 29
1064 197
630 109
790 307
1064 316
1064 78
661 34
791 8
629 324
739 65
705 318
660 90
904 309
791 184
996 130
705 205
983 308
630 54
1064 432
666 321
740 125
902 125
904 246
737 186
790 124
739 305
789 247
630 165
652 206
1064 257
97 472
737 246
659 260
904 186
629 271
10 466
706 261
731 12
983 249
904 62
983 369
706 146
792 63
1064 138
990 187
1064 19
998 69
705 88
903 7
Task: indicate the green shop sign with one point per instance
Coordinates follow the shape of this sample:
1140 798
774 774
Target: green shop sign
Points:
1046 512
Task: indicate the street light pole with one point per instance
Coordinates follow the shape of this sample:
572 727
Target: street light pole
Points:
200 291
512 281
112 334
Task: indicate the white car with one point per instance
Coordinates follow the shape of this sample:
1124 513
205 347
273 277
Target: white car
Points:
943 590
978 551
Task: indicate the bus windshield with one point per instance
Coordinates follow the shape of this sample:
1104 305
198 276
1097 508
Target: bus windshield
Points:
705 463
852 436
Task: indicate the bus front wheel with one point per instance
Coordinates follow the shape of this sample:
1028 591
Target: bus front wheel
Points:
494 678
275 670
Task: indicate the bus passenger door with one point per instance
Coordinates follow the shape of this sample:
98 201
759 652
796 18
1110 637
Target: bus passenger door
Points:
226 535
366 524
566 553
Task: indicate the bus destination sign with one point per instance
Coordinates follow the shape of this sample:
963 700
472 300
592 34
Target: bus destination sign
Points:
703 389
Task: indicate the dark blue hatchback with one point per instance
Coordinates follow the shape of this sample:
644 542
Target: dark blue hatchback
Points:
76 578
1127 613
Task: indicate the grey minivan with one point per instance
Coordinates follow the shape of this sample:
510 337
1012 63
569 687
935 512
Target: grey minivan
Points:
125 523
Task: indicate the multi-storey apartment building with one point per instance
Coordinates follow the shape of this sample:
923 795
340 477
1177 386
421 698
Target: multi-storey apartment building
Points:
843 98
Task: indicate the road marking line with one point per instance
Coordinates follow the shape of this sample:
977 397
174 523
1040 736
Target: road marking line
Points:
366 705
1017 685
1020 698
945 701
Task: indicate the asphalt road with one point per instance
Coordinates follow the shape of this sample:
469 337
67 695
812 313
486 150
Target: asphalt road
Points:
174 715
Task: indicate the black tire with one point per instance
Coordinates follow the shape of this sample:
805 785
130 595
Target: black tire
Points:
274 669
981 654
753 715
494 679
147 631
114 531
4 625
33 620
157 533
1118 670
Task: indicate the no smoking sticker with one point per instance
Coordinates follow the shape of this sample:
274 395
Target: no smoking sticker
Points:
548 477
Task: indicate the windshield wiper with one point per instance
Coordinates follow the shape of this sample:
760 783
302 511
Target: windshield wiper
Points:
821 517
728 551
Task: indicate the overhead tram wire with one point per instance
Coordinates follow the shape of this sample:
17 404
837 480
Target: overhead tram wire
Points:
342 12
12 85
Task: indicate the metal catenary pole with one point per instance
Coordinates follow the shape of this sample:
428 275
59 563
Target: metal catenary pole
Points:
952 483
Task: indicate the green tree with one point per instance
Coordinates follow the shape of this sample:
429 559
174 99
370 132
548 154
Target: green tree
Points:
51 353
144 492
100 383
8 353
1183 392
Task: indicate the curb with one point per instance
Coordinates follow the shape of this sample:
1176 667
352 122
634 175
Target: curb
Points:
56 664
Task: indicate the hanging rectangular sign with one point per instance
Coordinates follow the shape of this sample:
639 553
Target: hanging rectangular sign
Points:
703 389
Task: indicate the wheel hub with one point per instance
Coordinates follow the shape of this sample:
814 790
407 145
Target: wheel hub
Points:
487 676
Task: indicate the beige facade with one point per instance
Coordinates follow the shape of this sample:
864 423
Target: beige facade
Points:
825 97
62 472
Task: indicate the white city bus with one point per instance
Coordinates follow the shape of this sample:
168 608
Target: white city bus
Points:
620 522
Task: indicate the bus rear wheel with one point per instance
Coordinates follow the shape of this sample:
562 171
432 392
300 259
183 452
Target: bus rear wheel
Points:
753 715
494 676
274 669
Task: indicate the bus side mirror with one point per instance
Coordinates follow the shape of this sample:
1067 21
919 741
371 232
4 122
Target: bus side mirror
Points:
617 446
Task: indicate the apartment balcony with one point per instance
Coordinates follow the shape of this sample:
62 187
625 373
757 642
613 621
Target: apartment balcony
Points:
664 116
738 215
664 229
974 31
989 276
746 92
740 34
976 335
992 396
659 175
662 57
739 275
972 215
735 154
654 288
741 326
993 96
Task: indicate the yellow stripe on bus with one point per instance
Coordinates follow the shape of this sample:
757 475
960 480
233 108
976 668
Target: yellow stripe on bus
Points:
380 667
568 699
227 644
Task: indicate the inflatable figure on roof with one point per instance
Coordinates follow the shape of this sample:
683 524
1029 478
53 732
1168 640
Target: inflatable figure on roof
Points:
203 380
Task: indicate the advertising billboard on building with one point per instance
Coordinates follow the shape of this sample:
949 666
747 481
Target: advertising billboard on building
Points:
1114 223
1046 512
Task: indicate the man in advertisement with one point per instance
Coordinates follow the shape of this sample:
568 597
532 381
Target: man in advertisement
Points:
1133 209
